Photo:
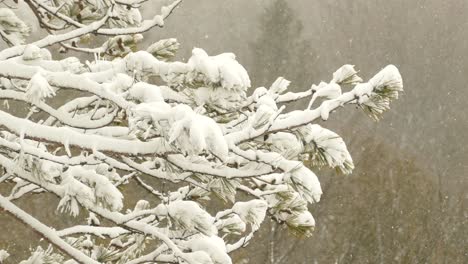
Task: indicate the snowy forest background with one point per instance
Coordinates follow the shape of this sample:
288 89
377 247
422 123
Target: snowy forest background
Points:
406 201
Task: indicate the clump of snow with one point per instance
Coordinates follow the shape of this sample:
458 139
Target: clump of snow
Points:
346 74
268 101
302 223
93 220
82 186
197 257
105 193
31 52
261 117
49 170
141 205
195 133
213 245
107 171
376 95
388 78
74 191
327 91
38 88
121 83
305 182
188 215
73 65
326 148
279 86
3 255
190 132
220 99
222 69
140 63
146 93
287 144
363 92
305 219
231 224
252 212
45 54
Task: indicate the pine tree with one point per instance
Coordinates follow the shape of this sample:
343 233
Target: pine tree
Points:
280 48
137 115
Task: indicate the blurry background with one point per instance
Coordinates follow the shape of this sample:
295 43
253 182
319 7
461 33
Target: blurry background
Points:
406 202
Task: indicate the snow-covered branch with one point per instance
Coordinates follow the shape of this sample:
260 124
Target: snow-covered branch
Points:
68 137
45 231
183 131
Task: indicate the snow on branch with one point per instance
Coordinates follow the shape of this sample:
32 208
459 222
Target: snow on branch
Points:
186 132
45 231
68 137
13 30
53 39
